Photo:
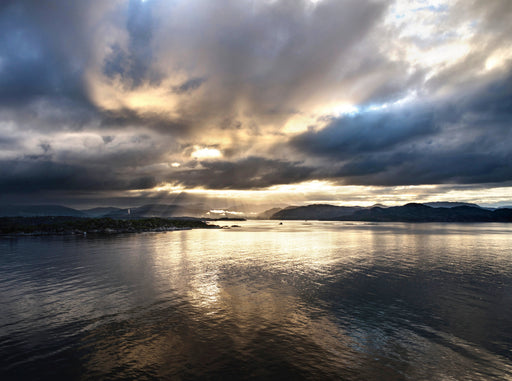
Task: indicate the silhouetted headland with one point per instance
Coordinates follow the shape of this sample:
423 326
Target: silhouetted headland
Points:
66 225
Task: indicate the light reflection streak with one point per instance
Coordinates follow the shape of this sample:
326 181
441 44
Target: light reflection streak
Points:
352 297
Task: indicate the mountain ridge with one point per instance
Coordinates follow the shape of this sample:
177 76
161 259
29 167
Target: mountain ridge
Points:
412 212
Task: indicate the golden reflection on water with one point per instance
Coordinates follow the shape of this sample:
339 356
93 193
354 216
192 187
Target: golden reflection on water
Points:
228 296
251 302
191 261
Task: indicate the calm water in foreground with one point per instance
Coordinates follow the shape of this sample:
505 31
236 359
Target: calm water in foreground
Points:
315 300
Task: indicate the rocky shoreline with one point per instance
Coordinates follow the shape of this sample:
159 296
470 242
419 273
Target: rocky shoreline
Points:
37 226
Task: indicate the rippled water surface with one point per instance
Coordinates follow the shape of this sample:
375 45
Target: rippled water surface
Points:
301 300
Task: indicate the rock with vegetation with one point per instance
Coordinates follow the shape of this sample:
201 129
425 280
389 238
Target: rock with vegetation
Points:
78 225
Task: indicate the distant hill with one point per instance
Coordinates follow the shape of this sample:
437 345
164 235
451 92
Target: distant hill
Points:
450 204
267 214
413 212
158 210
152 210
314 212
100 212
39 210
379 206
423 213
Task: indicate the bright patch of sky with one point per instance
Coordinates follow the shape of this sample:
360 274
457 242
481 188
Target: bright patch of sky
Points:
205 153
422 42
322 191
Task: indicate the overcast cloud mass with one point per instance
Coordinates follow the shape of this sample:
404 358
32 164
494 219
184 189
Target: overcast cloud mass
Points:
339 100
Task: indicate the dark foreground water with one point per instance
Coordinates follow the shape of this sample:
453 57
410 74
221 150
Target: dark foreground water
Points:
299 301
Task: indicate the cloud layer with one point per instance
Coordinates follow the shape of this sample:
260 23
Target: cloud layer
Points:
120 96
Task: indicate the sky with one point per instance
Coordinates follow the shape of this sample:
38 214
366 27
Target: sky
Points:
347 102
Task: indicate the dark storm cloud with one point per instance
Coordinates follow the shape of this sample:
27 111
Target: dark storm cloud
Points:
249 173
133 64
32 175
265 56
466 140
43 49
368 132
126 117
86 163
492 104
422 167
8 142
46 48
98 95
40 173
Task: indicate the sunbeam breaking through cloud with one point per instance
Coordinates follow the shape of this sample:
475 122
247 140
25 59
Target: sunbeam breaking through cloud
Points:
104 100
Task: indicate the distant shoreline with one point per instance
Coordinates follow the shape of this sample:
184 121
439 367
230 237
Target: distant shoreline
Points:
42 226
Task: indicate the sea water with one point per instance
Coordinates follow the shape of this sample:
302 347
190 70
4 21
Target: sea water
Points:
302 300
